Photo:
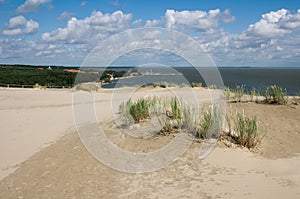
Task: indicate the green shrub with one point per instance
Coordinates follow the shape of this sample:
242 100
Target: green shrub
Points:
275 95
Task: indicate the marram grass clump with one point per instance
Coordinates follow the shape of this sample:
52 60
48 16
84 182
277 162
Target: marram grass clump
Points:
275 95
246 130
210 124
196 84
178 116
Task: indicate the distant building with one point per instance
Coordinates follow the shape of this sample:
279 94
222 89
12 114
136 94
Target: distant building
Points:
72 70
134 72
110 76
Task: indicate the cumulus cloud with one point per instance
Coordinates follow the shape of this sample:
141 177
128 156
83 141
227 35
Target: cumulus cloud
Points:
197 20
275 23
17 50
95 27
262 43
31 5
19 25
152 23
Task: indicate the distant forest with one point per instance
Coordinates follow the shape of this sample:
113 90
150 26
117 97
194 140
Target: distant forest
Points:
50 76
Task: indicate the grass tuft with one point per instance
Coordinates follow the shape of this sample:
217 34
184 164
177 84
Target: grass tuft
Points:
252 94
210 123
275 95
196 84
227 93
178 115
239 91
247 131
175 109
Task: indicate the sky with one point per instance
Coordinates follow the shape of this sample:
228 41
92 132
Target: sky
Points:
233 33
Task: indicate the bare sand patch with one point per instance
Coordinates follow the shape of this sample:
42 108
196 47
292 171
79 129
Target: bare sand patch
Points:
30 120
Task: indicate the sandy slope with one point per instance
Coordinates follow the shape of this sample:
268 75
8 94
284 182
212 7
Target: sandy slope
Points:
33 118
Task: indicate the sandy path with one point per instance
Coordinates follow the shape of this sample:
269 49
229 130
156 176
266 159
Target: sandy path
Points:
30 120
66 170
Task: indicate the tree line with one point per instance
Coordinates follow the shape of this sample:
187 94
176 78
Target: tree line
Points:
50 77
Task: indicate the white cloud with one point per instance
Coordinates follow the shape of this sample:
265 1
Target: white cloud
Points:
16 50
92 28
197 20
65 16
275 23
152 23
248 50
19 25
272 40
31 5
279 48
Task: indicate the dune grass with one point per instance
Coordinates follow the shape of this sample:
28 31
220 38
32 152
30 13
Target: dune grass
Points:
247 131
207 123
252 93
175 109
243 130
210 124
275 95
227 93
204 124
190 118
239 91
196 84
272 94
140 110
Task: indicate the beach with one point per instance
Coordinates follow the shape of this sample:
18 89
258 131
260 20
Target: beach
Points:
42 155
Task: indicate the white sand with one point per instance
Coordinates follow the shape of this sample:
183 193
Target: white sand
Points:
30 120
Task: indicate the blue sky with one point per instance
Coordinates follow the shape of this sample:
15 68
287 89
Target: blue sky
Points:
234 33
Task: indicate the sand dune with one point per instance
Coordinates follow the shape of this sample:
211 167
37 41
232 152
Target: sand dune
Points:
30 120
41 120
